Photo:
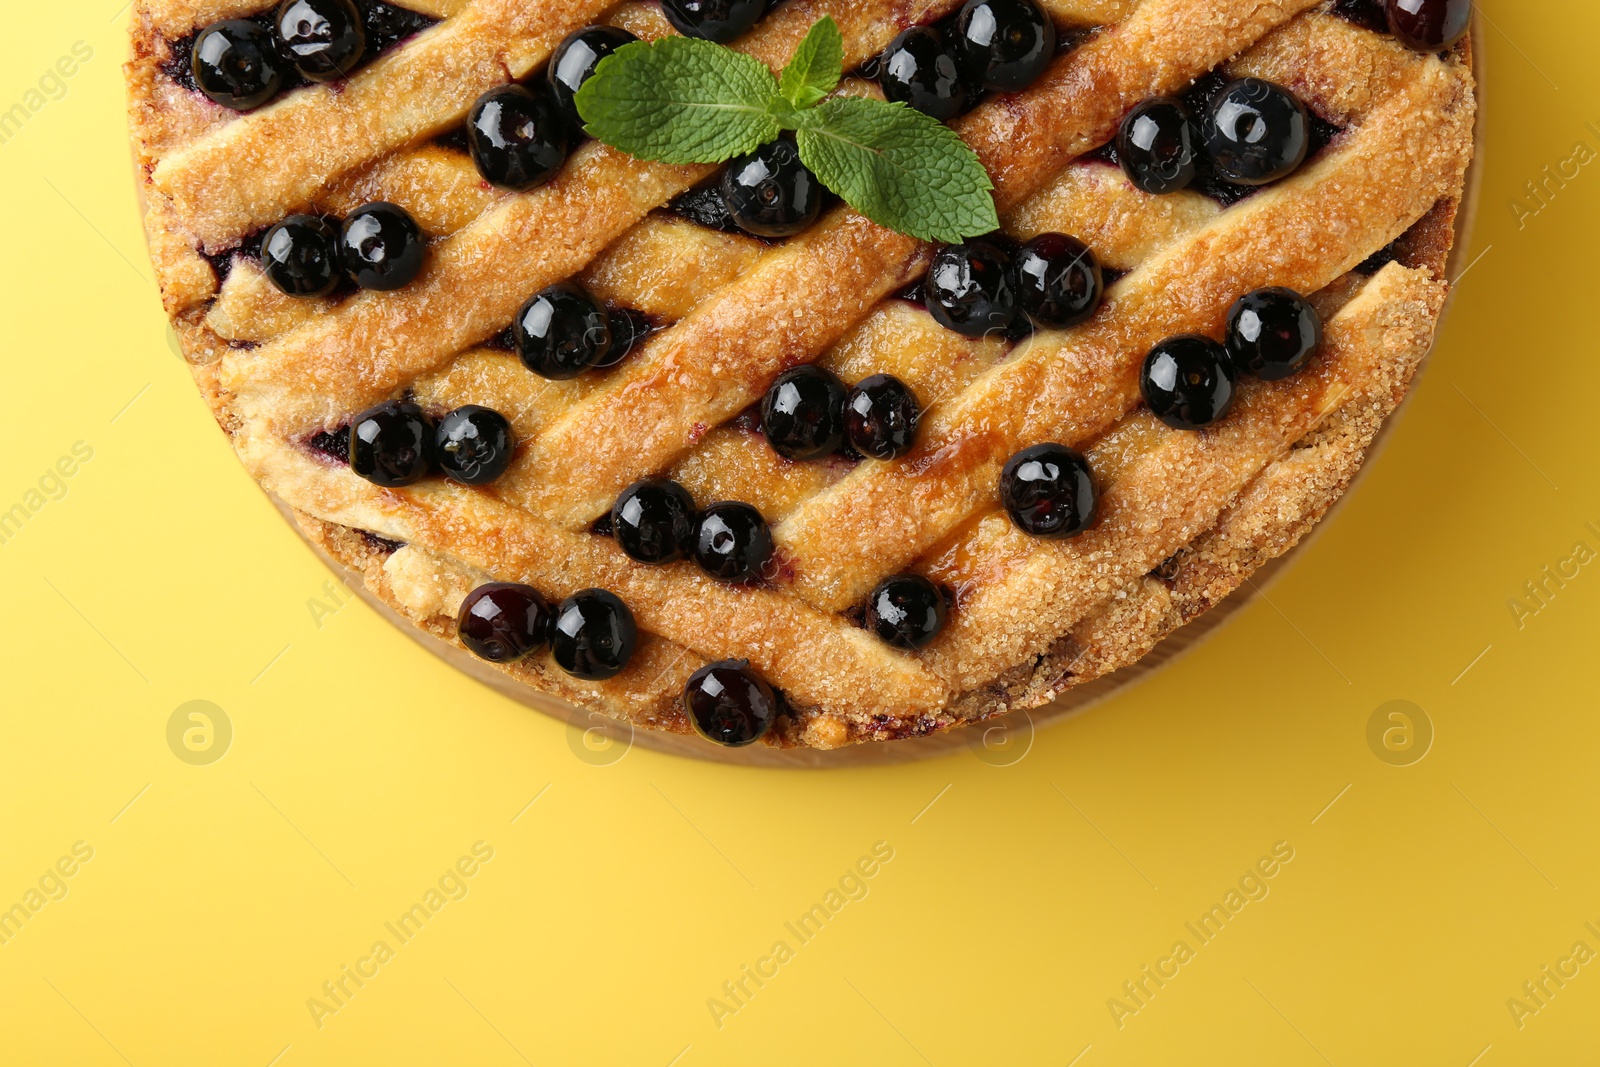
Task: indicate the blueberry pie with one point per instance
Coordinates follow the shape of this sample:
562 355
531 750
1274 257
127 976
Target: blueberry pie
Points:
701 447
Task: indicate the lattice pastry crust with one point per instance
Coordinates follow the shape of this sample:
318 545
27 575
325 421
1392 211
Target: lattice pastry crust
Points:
1185 517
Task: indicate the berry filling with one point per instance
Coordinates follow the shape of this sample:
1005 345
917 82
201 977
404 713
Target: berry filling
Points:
1159 155
382 26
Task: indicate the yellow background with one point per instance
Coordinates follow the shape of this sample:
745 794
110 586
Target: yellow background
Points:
219 898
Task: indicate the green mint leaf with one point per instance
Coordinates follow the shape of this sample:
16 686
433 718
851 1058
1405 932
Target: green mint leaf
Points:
680 100
817 66
899 168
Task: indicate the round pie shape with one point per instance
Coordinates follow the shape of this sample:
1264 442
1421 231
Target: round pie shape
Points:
1364 228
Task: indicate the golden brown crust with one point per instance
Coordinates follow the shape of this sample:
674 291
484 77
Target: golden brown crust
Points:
1186 518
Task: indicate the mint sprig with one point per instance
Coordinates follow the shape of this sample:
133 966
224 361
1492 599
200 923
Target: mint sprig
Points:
684 100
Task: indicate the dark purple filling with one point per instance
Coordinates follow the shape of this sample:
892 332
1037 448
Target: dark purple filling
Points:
1366 13
504 341
335 444
388 25
749 420
602 526
381 543
1384 256
249 247
916 292
455 140
704 205
385 24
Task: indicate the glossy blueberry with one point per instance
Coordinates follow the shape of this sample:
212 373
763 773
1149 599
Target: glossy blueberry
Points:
972 289
906 611
1059 282
574 61
1188 381
1272 332
732 542
721 21
517 138
1005 44
503 622
323 39
654 521
880 417
593 636
803 413
474 445
770 193
1256 132
561 332
729 704
300 256
392 444
381 246
1048 491
1428 25
1156 146
918 70
236 64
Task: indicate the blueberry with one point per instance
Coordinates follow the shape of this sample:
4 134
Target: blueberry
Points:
502 622
906 611
1048 490
236 64
880 417
732 542
729 704
628 328
1188 381
1428 25
593 635
517 138
382 247
300 256
474 445
1272 332
574 62
654 521
561 332
1256 132
324 39
972 289
1005 44
1156 146
721 21
391 444
1059 283
803 413
920 72
770 193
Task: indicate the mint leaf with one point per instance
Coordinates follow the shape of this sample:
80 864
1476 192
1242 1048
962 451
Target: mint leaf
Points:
680 100
898 167
817 65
